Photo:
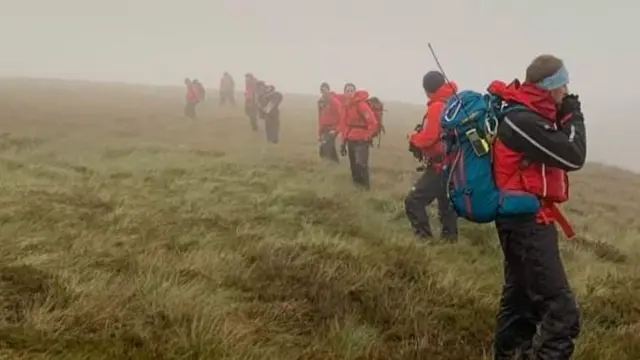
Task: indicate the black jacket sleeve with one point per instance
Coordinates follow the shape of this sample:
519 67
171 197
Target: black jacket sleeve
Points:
528 133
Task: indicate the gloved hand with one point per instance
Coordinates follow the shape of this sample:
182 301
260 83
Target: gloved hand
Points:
571 106
343 149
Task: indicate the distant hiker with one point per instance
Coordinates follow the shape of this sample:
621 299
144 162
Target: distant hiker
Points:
199 90
227 90
537 143
250 101
357 129
192 99
269 101
329 117
426 145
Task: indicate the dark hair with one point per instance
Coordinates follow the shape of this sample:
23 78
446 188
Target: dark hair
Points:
542 67
349 85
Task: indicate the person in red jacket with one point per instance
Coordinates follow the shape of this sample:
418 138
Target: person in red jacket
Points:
250 100
537 143
357 129
426 144
329 117
192 99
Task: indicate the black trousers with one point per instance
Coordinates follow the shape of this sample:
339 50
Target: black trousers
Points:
328 147
190 110
535 294
429 187
272 126
358 152
252 113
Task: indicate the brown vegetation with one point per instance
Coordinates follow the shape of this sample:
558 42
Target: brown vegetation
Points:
129 232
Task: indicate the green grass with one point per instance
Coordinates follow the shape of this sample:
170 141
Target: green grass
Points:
128 232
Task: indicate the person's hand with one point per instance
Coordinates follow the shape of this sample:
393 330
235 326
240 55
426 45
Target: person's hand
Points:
343 149
410 135
571 104
570 109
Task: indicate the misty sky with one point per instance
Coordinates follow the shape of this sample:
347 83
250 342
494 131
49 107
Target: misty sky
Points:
379 45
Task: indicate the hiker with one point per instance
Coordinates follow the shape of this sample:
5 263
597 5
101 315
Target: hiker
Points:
536 145
426 144
192 99
329 117
269 108
250 104
227 90
357 129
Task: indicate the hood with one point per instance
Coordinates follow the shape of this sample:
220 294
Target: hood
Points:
527 94
444 92
358 96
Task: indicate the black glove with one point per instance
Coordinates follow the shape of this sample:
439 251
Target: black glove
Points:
571 106
343 149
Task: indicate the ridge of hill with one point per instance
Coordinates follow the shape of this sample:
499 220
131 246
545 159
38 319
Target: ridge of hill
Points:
130 232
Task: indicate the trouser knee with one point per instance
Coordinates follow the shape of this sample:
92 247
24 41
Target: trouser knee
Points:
563 317
410 202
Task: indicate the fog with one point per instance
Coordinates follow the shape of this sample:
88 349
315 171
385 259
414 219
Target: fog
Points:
380 45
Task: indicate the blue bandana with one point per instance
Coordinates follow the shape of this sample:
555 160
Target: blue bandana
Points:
557 80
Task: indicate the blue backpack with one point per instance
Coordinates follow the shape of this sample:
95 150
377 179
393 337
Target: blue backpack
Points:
469 123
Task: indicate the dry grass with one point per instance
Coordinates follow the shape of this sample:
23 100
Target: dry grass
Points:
128 232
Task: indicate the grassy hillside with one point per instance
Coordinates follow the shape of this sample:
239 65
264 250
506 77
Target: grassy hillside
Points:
128 232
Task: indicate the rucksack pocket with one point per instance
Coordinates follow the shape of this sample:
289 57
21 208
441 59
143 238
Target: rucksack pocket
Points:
514 202
479 205
557 185
472 190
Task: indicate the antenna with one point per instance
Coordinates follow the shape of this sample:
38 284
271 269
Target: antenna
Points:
446 78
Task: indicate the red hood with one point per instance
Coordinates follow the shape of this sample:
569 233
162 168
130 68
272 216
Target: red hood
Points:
358 96
444 92
527 94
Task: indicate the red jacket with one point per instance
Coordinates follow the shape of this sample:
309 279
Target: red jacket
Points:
513 172
330 113
192 95
249 90
358 121
428 139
